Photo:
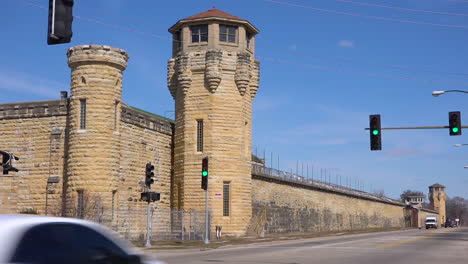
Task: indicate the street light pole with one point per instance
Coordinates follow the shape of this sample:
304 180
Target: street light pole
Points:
437 93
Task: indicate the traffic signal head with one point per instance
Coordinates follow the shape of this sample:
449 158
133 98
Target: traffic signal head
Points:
455 123
375 132
6 162
60 21
204 174
149 174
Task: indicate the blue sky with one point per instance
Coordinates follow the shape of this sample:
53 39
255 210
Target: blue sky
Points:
326 65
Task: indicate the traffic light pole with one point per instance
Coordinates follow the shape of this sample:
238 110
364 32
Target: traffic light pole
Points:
207 241
148 222
418 127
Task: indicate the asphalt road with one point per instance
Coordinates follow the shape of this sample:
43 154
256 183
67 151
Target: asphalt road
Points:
397 247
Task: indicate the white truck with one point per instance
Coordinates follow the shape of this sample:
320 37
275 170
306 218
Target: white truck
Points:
431 221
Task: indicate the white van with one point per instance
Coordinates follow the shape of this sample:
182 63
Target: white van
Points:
431 222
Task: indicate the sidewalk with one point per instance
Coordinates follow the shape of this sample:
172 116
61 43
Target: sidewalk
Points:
231 241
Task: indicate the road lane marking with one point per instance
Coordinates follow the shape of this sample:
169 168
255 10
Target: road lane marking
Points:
406 241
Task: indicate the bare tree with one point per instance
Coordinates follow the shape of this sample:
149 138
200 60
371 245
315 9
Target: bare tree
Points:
457 207
88 206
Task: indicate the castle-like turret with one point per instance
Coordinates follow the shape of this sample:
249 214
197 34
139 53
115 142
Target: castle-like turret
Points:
93 142
213 78
438 198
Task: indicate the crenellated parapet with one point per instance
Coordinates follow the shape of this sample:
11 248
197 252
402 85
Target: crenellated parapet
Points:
34 109
243 72
102 54
146 120
214 64
171 77
255 81
184 73
213 70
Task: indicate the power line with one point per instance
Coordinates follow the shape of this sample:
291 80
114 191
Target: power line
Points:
401 68
361 72
269 47
402 8
306 65
131 20
364 16
101 23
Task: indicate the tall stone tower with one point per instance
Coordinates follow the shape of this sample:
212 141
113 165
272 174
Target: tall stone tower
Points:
93 136
438 197
213 78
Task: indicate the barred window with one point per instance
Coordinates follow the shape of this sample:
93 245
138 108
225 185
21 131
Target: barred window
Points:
113 204
83 114
80 206
199 33
116 115
200 135
226 190
227 33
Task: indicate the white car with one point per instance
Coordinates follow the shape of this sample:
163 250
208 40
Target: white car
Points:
54 240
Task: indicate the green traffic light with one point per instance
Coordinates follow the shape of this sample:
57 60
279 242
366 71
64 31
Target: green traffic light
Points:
455 130
375 132
204 173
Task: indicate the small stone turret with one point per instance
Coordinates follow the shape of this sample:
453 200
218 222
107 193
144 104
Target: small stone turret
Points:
93 140
213 78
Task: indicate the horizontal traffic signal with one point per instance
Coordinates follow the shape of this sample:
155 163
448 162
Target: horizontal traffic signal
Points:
150 196
6 162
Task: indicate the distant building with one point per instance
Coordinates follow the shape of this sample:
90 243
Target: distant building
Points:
438 197
416 201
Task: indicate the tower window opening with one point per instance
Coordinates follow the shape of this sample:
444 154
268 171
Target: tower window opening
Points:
199 33
226 200
227 33
249 39
80 205
83 114
116 115
113 204
178 39
200 135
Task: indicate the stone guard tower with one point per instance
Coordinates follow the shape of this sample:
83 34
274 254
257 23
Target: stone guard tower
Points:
437 197
213 78
93 142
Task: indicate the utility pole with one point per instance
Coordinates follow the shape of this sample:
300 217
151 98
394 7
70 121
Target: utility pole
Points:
205 187
207 241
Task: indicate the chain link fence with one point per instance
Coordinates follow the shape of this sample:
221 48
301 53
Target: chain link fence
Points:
165 225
